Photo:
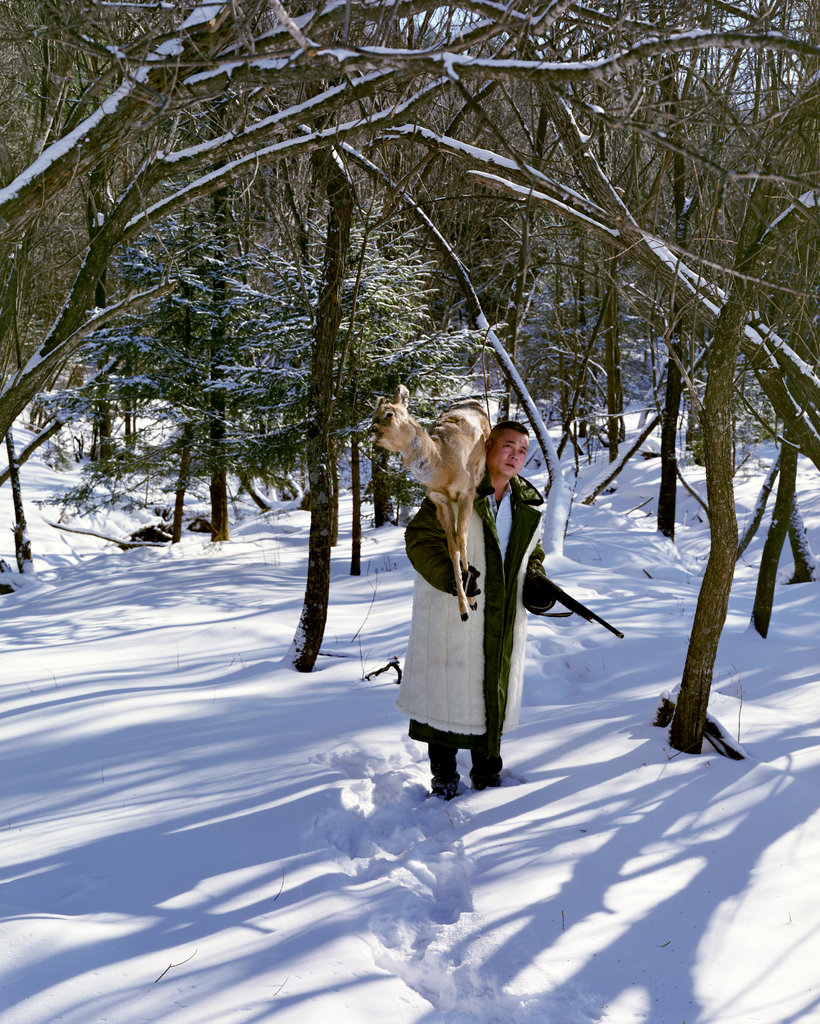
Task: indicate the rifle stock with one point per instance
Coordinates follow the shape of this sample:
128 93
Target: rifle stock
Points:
580 609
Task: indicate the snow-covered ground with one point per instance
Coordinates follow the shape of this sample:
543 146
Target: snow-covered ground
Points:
194 833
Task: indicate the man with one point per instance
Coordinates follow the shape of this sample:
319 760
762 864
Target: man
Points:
462 681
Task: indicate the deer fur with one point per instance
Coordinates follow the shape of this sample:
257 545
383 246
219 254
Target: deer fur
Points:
448 461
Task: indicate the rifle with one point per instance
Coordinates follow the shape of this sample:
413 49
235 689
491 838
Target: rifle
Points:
552 590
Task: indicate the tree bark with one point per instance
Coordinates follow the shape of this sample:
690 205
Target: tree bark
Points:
356 492
686 731
311 628
614 390
760 506
516 304
383 510
806 568
778 528
22 543
667 494
217 431
182 485
45 434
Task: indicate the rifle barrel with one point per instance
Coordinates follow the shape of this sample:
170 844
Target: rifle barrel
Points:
581 609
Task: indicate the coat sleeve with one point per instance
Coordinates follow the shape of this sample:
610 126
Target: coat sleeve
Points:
426 547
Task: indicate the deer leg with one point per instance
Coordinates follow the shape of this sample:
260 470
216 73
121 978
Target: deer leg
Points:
446 517
464 509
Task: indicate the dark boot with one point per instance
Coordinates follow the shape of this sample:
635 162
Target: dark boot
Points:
486 770
444 771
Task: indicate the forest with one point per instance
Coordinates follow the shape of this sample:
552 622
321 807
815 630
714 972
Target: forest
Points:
227 228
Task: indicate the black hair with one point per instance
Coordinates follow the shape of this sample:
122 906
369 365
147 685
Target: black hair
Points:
509 425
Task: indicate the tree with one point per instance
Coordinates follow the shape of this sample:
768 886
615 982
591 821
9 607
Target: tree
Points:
328 316
209 366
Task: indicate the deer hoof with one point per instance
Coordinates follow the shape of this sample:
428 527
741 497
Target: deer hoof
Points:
464 616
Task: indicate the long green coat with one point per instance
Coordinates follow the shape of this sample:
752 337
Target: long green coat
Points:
462 681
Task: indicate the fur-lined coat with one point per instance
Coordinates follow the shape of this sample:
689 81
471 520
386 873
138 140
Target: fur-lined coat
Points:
464 679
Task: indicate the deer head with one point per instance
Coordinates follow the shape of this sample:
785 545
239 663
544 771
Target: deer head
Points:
392 425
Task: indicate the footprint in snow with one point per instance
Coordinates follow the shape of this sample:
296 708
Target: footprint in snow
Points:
388 834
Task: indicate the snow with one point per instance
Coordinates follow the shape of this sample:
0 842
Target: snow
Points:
202 14
193 832
528 192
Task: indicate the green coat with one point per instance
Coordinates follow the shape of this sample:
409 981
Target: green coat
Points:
462 681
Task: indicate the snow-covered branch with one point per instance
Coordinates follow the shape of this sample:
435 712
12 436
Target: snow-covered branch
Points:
24 385
325 62
141 99
302 141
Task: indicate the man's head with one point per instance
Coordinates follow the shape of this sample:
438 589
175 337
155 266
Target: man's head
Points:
507 448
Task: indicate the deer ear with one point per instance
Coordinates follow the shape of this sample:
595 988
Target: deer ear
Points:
402 395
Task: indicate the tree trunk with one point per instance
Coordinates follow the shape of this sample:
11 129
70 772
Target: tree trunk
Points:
383 510
778 528
515 305
667 495
614 392
356 492
334 481
45 434
22 543
104 448
220 522
182 485
760 506
686 732
806 568
311 628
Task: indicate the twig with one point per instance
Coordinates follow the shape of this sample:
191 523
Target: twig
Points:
375 587
393 663
180 964
635 509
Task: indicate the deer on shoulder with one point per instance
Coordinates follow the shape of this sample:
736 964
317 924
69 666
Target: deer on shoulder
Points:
448 460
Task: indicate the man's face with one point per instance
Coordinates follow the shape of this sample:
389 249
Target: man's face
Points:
506 455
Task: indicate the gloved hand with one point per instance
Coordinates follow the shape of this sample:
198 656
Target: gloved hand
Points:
539 594
468 578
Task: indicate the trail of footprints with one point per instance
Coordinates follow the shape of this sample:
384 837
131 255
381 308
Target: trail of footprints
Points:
403 855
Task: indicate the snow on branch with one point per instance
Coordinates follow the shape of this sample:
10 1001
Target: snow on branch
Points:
298 112
82 147
48 357
808 201
304 141
603 69
448 144
526 192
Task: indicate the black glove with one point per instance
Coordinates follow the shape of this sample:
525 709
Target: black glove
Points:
468 578
539 594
